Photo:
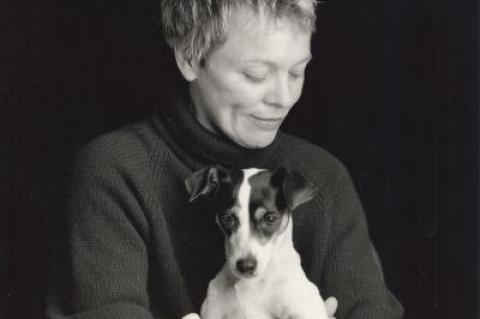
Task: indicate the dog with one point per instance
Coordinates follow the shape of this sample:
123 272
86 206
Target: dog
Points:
262 277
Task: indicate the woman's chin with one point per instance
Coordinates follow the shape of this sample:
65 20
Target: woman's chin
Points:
253 141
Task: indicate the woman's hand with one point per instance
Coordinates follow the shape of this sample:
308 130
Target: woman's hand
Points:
331 305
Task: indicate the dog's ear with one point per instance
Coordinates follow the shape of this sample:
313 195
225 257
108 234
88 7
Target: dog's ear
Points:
206 181
296 189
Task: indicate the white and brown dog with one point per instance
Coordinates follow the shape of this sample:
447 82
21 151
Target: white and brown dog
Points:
262 277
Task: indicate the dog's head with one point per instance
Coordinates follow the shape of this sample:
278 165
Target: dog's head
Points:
253 209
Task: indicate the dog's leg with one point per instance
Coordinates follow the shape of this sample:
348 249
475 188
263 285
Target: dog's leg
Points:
191 316
298 299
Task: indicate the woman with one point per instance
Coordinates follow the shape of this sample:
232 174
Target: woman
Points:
137 249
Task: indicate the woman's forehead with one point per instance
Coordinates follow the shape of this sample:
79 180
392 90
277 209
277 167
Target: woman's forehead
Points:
255 37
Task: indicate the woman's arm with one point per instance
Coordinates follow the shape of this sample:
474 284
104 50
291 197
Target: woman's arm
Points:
352 272
102 269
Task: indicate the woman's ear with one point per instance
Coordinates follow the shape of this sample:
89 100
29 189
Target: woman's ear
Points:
188 67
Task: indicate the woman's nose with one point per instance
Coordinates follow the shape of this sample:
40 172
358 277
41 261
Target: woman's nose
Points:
280 93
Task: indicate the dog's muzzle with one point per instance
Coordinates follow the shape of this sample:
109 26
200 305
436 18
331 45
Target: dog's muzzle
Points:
247 266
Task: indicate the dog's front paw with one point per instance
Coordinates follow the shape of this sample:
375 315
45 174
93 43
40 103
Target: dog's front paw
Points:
191 316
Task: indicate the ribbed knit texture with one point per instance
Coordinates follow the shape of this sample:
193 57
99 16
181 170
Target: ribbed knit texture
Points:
136 248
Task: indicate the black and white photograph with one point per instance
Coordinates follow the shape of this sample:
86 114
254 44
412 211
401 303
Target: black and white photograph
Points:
234 159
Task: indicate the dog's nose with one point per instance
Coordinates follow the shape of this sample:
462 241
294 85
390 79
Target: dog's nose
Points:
247 266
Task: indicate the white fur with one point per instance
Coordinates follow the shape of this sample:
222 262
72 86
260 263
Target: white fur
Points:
279 289
242 241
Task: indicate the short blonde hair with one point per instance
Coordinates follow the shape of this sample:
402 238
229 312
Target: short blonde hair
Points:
196 27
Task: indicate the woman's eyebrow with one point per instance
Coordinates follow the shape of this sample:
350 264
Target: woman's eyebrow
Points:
270 63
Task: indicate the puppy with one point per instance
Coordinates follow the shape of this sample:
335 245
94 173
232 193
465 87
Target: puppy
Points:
262 277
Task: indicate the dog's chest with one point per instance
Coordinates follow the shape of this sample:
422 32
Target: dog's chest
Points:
224 301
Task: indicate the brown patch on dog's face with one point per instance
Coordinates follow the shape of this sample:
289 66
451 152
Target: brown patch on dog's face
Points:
266 223
226 205
268 210
253 210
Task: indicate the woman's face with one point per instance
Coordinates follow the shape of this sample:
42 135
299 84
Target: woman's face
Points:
249 84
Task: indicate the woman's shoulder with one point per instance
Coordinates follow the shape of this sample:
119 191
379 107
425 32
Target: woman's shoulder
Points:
132 145
312 161
313 156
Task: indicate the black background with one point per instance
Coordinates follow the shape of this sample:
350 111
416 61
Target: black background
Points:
392 91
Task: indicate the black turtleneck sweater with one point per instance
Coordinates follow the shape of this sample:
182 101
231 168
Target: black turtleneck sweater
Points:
136 248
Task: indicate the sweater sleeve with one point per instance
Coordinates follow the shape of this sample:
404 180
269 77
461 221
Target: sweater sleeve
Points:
352 272
102 272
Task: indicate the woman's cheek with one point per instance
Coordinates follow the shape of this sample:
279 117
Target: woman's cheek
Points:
250 97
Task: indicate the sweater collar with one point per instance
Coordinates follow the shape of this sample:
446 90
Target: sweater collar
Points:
198 147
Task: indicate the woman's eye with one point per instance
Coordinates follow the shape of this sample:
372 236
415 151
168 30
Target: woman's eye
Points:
270 218
255 77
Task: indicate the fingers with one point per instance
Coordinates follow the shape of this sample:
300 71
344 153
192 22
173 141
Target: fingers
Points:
331 305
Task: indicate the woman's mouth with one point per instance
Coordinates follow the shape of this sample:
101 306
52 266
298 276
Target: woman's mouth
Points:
268 123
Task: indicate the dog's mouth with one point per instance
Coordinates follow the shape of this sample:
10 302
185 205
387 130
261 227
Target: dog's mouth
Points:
240 275
244 276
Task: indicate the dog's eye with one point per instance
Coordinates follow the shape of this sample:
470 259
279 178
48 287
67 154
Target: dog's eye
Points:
228 220
270 218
